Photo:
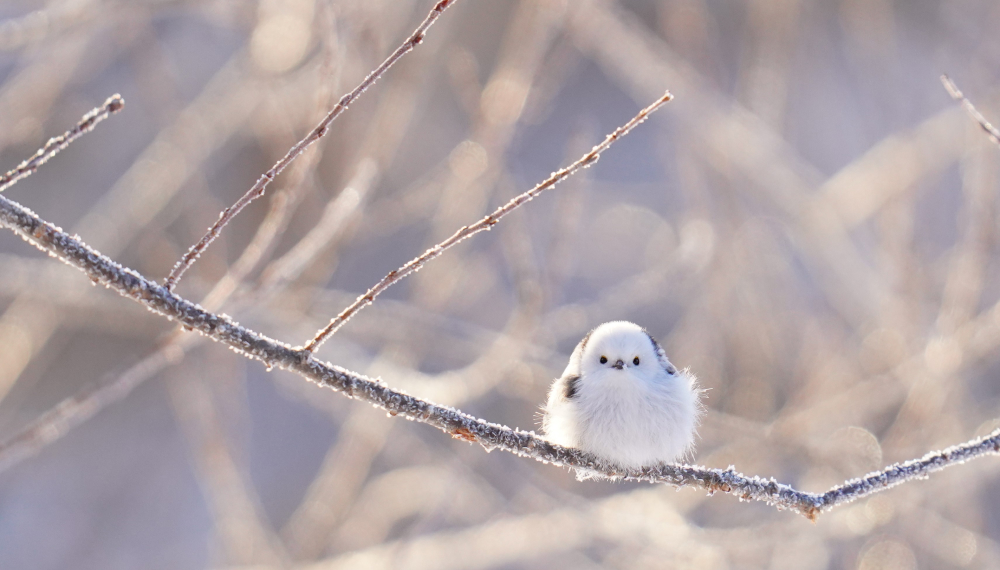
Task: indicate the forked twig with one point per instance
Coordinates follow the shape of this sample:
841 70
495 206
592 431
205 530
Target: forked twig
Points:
221 328
257 190
54 145
486 223
957 95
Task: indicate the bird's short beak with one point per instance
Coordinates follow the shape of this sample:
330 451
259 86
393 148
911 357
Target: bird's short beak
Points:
620 365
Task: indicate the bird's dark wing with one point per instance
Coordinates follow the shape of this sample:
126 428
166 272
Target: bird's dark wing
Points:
570 385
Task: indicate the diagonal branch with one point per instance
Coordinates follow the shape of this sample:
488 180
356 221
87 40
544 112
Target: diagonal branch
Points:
957 95
55 145
221 328
486 223
257 190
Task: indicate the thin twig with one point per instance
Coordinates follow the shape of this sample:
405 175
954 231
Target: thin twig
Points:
221 328
321 129
486 223
957 95
54 145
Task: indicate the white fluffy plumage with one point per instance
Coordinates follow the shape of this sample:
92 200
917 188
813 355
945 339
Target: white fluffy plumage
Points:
621 399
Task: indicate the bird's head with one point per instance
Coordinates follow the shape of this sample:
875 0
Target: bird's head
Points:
622 346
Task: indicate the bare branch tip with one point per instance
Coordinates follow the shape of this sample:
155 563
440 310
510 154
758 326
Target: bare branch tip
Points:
951 88
55 145
114 103
971 109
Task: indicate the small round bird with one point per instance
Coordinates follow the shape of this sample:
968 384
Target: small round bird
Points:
622 400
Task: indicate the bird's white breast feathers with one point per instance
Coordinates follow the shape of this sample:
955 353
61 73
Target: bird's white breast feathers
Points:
634 417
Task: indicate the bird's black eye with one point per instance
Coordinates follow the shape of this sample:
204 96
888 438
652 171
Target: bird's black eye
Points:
604 360
635 361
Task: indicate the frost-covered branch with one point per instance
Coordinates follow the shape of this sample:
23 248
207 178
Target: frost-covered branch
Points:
272 353
257 190
957 95
54 145
486 223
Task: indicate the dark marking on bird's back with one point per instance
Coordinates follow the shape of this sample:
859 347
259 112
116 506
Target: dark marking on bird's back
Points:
571 386
656 346
662 354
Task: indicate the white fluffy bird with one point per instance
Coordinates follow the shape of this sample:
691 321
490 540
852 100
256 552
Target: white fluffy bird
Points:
622 400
